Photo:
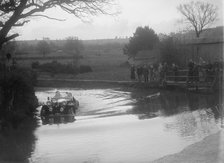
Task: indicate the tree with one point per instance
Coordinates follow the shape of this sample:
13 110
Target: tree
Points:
144 38
14 13
170 51
9 47
199 15
74 46
43 47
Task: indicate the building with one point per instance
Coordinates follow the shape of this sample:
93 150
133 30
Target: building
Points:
208 49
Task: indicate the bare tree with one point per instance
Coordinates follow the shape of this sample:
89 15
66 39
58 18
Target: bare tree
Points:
43 47
14 13
74 46
199 14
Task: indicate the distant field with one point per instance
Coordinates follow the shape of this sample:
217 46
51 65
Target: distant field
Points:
96 53
107 61
103 69
115 59
114 74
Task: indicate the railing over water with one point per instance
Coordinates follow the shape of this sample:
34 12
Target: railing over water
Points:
183 79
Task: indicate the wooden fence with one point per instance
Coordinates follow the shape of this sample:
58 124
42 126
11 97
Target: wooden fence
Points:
181 78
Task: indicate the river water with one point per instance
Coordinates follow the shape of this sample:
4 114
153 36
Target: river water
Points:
119 126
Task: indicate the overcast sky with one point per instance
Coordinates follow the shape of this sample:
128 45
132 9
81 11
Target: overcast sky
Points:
161 15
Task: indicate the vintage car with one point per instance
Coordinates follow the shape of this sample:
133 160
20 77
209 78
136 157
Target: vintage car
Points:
60 106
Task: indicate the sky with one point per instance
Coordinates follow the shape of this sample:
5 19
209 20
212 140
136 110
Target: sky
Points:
160 15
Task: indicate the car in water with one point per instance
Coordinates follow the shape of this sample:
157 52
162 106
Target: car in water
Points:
60 105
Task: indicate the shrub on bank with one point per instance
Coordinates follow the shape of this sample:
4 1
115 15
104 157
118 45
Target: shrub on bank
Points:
35 65
18 100
125 64
55 67
85 69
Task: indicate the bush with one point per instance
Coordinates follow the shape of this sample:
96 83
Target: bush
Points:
85 69
125 64
2 67
35 65
55 67
18 96
171 52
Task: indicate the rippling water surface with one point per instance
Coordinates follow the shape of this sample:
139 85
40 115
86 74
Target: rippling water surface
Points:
113 125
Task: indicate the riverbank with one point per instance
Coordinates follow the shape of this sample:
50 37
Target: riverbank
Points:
209 150
75 83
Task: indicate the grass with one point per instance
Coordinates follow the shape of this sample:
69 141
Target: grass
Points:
99 73
115 74
105 62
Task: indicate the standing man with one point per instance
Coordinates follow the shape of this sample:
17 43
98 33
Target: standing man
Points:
146 74
151 73
132 72
196 75
139 73
175 70
190 71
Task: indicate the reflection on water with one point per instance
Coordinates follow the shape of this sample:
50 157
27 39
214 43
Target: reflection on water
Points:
190 115
113 125
57 120
193 124
172 103
17 145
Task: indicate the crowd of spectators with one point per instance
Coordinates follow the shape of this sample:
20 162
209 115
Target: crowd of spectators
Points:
206 72
148 73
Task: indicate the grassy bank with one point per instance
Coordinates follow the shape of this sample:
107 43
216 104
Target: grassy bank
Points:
209 150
